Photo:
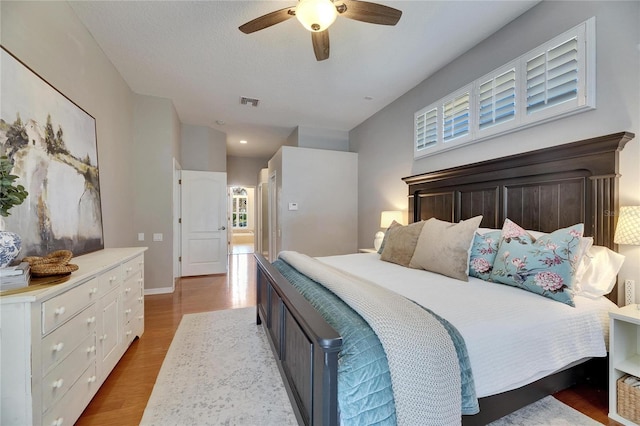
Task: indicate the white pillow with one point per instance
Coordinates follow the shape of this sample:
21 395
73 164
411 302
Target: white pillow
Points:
601 266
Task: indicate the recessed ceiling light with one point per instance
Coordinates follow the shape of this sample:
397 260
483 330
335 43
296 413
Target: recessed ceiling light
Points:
243 141
220 122
368 98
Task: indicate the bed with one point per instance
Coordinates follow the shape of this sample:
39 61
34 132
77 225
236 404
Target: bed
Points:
541 190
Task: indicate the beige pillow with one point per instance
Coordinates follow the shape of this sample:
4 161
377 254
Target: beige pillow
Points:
400 242
443 247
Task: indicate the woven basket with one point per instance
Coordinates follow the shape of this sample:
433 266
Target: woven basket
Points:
55 263
628 400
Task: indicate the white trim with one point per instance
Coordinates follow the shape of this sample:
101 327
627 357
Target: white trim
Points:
161 290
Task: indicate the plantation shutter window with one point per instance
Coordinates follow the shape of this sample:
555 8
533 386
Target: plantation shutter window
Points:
552 81
426 129
455 115
552 77
497 100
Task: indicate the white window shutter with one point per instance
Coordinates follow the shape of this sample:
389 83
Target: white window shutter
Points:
497 100
552 77
455 116
426 129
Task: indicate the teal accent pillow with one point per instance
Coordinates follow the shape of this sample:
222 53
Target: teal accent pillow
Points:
483 253
545 266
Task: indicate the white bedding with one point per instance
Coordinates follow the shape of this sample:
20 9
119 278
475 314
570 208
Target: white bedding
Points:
513 337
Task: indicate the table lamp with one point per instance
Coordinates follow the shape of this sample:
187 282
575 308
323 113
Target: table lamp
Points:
386 219
628 232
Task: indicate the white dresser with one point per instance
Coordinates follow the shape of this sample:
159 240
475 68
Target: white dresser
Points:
59 344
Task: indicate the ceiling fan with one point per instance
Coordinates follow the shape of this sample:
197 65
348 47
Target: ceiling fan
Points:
317 15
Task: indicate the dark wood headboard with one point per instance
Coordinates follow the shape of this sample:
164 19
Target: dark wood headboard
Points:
541 190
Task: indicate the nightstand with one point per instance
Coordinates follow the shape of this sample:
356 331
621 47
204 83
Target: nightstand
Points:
367 250
624 352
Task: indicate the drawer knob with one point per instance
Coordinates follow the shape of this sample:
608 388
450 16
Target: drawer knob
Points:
57 422
103 337
58 384
94 290
112 278
127 290
127 311
91 379
59 311
141 299
141 317
58 347
129 269
91 349
91 320
128 333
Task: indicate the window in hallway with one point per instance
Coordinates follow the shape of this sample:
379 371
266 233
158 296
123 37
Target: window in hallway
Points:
239 210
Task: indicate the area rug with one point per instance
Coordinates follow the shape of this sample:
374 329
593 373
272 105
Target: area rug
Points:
219 370
546 412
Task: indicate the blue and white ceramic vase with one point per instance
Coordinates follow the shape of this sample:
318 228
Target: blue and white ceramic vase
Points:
10 244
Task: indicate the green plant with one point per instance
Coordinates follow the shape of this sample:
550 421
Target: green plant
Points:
10 193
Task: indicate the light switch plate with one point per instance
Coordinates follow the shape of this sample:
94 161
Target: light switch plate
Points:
157 237
140 236
293 206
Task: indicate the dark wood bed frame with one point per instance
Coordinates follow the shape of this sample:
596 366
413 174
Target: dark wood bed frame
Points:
541 190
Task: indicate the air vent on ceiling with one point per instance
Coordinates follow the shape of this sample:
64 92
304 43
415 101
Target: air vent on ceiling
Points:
246 101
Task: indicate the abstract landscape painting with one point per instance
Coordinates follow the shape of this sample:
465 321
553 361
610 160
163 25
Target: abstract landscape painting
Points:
52 145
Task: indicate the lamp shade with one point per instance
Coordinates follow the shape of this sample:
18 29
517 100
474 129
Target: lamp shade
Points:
316 15
387 218
628 228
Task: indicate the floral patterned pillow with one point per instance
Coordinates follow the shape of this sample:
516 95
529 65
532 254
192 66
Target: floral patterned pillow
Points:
483 254
545 266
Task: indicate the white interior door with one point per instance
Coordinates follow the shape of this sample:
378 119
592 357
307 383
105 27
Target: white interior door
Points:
204 223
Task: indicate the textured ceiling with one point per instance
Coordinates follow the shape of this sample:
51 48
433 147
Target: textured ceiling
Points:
193 53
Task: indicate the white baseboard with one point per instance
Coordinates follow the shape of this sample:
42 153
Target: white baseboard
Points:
162 290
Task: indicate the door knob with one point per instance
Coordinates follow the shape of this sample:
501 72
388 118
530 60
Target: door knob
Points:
222 228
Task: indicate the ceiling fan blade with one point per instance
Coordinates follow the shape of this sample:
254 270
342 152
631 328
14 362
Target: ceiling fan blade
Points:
372 13
267 20
320 42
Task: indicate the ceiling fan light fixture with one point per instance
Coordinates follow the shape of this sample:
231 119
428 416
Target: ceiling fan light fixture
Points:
316 15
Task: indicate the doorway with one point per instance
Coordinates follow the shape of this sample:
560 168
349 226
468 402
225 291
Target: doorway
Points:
242 219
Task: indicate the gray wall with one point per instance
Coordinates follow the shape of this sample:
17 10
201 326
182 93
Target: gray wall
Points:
244 171
324 183
48 37
137 135
157 133
384 142
203 149
311 137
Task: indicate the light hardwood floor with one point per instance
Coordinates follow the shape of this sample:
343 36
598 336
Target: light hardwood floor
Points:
122 398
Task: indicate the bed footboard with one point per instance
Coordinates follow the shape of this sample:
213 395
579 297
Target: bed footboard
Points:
304 345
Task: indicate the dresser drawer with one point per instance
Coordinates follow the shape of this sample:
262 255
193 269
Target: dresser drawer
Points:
57 345
132 290
109 280
64 375
134 327
132 301
64 306
66 411
133 267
